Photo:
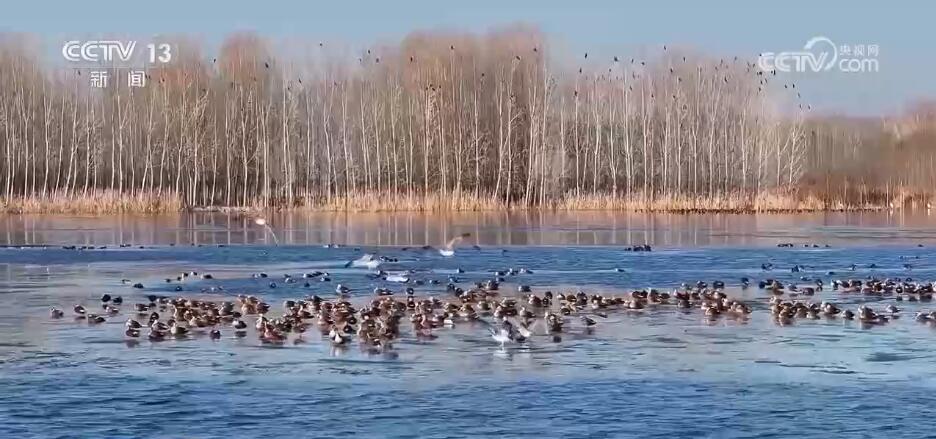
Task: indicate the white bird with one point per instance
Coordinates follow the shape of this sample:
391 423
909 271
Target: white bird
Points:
337 338
449 249
177 330
267 228
523 330
368 260
501 336
397 277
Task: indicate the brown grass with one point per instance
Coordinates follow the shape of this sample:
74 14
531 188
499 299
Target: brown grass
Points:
765 202
387 202
774 201
98 202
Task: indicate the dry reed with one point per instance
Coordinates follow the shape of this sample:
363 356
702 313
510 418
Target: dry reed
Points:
96 202
111 202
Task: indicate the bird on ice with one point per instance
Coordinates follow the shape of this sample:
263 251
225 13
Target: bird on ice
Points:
397 277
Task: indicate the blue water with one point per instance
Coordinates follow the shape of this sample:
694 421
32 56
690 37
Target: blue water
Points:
660 372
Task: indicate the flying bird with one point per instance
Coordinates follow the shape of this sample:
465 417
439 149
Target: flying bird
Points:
449 249
263 223
501 336
368 260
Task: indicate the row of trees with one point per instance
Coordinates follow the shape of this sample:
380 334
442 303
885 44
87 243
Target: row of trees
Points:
491 116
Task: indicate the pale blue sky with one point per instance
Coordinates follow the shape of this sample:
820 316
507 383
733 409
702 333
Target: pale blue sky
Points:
904 30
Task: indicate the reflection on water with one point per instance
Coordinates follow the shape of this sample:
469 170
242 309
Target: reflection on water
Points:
665 372
488 228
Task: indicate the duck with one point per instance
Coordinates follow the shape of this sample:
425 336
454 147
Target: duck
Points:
80 311
177 331
261 322
553 322
524 330
133 324
131 332
710 311
337 338
829 309
448 321
56 313
867 315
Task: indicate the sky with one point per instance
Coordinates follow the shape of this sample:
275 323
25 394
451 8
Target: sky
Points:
903 30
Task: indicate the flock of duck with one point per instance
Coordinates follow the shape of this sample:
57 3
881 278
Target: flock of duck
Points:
507 318
377 323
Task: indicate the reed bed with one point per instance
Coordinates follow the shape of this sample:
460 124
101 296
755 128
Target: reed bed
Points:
392 202
96 202
110 202
768 202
